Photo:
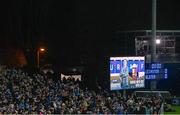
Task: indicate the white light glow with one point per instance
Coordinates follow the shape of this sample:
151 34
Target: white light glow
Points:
158 41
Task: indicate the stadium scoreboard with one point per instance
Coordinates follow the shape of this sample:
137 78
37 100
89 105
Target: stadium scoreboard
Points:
156 71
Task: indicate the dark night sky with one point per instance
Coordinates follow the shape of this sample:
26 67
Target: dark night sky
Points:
72 28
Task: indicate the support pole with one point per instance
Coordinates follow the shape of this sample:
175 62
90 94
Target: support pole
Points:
153 53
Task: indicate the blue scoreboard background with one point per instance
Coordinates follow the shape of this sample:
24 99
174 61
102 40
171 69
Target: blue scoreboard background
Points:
156 71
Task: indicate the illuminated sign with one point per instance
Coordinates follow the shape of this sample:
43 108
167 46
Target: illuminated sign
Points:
127 72
156 71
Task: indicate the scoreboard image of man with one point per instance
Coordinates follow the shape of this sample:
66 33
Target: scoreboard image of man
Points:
124 74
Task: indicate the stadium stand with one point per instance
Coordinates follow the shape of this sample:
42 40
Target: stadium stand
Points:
22 93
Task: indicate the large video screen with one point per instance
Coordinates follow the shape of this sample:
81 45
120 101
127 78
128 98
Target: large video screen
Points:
127 72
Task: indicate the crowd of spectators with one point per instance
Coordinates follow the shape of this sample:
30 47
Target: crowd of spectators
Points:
21 93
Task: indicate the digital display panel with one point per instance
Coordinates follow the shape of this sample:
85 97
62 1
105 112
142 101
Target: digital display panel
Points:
127 72
156 71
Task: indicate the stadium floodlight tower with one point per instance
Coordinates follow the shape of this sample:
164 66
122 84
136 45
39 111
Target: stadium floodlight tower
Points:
153 53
